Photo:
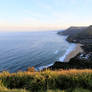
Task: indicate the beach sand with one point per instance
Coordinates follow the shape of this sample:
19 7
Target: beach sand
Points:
73 53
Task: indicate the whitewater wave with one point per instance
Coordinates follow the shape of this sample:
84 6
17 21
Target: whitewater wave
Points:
70 49
56 52
43 67
61 59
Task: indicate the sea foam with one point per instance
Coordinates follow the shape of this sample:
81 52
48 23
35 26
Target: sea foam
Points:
61 59
70 49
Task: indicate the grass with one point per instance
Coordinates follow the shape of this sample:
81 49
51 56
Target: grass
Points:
63 80
70 90
4 89
12 90
81 90
21 90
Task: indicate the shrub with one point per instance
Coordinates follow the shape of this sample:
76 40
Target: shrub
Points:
44 80
31 69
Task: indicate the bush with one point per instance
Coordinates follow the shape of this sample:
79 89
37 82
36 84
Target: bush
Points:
31 69
44 80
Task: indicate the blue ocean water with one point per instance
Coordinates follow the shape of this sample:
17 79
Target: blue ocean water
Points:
20 50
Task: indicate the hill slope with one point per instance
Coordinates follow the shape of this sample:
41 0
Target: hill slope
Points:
72 31
84 36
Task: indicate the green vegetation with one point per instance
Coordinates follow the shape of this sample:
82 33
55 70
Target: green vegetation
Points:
4 89
86 34
71 90
73 63
62 80
83 36
11 90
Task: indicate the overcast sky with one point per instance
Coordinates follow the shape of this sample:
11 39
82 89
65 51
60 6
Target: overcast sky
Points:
44 14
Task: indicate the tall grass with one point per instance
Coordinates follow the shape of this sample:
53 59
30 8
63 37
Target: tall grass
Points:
71 90
4 89
48 80
12 90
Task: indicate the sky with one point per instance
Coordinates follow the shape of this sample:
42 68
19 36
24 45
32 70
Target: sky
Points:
31 15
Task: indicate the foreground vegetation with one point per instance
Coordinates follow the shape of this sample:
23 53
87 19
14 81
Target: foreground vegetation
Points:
47 81
12 90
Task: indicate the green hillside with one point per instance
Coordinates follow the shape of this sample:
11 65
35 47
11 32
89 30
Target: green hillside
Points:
72 31
84 36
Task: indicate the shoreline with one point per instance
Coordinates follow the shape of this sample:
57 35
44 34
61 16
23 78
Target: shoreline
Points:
70 49
74 52
71 52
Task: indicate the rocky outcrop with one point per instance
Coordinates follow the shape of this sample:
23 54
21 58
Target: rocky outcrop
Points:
80 61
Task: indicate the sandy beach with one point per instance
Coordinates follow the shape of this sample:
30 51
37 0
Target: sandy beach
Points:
73 53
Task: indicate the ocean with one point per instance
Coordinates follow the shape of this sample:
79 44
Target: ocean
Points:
20 50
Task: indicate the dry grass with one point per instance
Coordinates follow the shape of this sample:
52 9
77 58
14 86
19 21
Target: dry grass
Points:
43 80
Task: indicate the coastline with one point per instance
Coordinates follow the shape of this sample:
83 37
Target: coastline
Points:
70 49
74 52
70 53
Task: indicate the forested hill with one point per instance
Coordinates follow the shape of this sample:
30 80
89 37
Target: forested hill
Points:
72 30
79 34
